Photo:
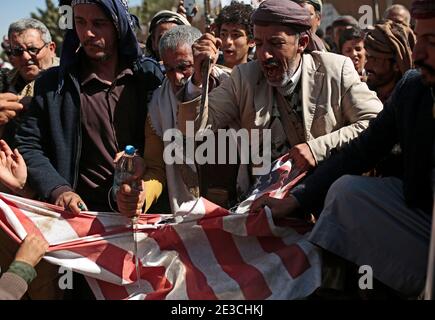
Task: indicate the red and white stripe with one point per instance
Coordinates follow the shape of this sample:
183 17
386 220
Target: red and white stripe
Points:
209 253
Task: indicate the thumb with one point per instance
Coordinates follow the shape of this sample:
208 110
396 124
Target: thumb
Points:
118 156
19 157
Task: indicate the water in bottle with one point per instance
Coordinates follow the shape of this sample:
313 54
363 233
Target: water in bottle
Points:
124 169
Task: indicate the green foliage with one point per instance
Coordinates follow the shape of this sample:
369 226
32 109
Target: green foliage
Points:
150 7
50 17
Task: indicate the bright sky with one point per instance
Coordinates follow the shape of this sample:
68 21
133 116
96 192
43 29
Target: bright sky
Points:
17 9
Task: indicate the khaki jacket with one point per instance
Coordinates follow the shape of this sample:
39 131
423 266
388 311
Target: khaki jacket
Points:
337 106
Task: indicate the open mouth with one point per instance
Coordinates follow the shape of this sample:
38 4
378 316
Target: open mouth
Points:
271 72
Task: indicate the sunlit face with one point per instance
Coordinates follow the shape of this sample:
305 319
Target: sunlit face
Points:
235 44
158 33
424 50
354 49
31 54
399 16
279 51
380 71
179 66
314 16
96 32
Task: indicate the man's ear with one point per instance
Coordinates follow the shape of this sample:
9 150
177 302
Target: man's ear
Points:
52 46
251 43
304 39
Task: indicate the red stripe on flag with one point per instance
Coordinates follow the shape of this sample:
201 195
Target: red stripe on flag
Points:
251 281
112 291
161 285
292 256
27 224
121 263
6 228
108 256
196 283
84 224
257 225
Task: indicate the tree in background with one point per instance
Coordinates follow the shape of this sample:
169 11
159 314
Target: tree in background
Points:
50 17
147 10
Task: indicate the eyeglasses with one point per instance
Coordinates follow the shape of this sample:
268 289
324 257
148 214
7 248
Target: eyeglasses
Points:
18 52
182 68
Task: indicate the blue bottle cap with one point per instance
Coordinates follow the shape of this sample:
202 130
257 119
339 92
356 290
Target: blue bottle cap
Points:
129 150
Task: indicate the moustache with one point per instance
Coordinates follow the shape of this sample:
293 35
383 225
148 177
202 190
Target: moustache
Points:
94 44
271 63
421 64
182 82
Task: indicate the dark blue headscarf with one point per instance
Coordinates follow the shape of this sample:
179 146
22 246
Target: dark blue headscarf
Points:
125 24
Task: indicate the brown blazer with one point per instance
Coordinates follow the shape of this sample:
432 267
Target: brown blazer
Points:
337 106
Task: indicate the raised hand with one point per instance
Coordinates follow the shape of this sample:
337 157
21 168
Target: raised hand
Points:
13 170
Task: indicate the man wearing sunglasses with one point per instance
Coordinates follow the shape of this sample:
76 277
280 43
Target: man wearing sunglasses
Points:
31 50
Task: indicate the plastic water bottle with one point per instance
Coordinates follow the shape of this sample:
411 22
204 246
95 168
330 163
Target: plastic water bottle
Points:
124 169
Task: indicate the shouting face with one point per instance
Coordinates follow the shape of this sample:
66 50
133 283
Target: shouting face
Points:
235 44
279 51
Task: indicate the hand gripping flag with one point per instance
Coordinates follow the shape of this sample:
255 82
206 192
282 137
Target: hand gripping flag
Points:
201 252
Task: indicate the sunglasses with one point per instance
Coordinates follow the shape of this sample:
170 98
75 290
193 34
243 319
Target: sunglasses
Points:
18 52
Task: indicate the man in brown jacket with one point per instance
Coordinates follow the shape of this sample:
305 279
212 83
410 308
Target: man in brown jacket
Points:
312 103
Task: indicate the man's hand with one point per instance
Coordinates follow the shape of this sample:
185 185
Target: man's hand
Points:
72 202
131 200
182 10
13 170
302 157
280 208
32 250
204 48
9 107
131 195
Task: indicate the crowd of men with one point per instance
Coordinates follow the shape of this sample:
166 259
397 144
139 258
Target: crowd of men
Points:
354 109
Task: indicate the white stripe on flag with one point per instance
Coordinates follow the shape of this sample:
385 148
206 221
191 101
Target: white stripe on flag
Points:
13 220
83 265
202 256
54 230
235 224
269 264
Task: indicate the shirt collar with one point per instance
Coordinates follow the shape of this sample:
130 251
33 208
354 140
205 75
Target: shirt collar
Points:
294 80
89 76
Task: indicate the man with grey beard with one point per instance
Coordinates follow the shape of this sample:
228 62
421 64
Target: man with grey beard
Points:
176 53
312 103
381 222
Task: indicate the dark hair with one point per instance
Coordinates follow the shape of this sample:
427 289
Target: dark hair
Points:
237 13
345 21
352 33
